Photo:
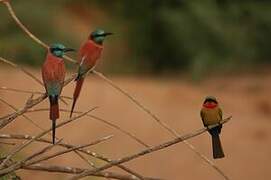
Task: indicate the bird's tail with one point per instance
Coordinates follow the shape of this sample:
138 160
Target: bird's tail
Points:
53 130
216 144
78 87
54 113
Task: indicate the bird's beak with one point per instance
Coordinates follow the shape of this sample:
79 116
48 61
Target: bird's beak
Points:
68 49
108 34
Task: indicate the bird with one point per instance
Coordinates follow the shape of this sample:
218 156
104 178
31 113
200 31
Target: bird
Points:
211 114
53 76
89 53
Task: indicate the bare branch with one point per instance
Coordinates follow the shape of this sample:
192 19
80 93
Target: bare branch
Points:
20 24
70 149
160 122
9 118
149 150
8 143
22 69
30 103
27 161
23 145
73 170
101 120
87 152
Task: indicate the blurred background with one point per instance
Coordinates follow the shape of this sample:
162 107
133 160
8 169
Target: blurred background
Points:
169 54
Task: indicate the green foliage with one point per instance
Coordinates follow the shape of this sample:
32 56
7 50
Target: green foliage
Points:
197 36
162 36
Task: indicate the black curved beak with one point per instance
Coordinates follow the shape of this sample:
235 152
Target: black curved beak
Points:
68 49
108 34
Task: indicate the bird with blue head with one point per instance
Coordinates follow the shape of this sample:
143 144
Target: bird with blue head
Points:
53 75
89 53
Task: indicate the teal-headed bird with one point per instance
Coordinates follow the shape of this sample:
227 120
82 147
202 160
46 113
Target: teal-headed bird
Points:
89 53
53 75
211 114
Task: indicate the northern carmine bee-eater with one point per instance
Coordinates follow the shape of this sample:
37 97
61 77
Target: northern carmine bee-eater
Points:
89 54
53 75
212 114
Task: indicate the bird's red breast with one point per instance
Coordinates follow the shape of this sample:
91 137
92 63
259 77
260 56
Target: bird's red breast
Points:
210 105
89 53
53 70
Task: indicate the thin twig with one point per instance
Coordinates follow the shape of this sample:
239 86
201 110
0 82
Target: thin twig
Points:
9 118
161 123
23 145
27 161
22 69
101 120
29 104
39 127
73 170
69 150
8 143
149 150
20 24
87 152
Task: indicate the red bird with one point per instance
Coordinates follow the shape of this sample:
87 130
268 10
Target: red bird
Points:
89 54
53 75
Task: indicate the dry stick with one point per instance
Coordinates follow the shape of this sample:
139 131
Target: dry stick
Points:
26 117
22 26
22 69
24 144
73 170
108 123
101 157
12 166
35 124
9 118
162 123
121 90
27 161
8 143
6 120
150 150
17 165
101 120
87 152
29 74
69 150
38 153
29 104
18 22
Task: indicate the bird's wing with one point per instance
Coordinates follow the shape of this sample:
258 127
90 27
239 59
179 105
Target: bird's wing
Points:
220 113
202 115
53 76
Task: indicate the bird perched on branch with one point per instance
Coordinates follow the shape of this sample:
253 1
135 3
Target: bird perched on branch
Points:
53 75
89 54
212 114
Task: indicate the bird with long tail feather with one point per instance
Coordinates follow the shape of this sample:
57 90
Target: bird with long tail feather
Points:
89 54
53 75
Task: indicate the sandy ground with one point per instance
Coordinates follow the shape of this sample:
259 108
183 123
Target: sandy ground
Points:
246 139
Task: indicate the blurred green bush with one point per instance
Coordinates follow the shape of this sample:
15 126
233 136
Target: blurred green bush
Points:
165 36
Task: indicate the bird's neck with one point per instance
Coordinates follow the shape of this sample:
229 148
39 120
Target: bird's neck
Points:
93 43
51 56
210 105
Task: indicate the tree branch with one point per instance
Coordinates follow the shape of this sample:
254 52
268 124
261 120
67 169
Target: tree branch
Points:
73 170
149 150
